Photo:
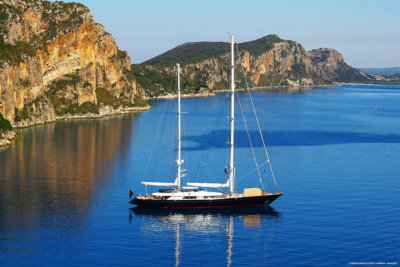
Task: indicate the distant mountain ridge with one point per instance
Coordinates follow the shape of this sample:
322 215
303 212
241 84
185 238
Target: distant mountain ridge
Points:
188 52
267 61
381 71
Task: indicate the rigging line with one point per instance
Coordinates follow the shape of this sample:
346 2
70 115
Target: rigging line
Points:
251 144
199 170
207 151
172 141
183 143
250 172
155 166
149 168
173 135
227 132
146 169
256 117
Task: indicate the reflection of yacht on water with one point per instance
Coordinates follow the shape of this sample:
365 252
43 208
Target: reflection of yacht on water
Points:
201 222
196 195
264 211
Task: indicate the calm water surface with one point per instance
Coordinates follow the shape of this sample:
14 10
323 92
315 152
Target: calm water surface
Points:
335 152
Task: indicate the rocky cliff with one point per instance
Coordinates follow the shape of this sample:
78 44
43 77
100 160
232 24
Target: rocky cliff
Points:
268 61
330 66
55 60
6 132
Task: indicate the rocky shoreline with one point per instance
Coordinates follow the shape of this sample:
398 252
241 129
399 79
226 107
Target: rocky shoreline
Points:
171 96
104 111
215 92
7 136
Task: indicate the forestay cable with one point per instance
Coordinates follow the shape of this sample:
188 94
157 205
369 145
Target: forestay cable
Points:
250 172
251 144
256 117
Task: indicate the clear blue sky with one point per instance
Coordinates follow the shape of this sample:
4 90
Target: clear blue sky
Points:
366 32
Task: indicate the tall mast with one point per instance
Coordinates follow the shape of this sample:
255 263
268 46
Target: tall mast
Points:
179 161
231 164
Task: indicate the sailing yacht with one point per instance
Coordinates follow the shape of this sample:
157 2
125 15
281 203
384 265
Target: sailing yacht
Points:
196 195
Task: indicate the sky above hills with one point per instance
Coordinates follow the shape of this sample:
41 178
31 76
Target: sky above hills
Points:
366 32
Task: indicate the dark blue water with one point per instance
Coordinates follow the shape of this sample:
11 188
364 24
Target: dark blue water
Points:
335 153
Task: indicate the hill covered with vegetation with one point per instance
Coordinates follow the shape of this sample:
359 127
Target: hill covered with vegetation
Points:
267 61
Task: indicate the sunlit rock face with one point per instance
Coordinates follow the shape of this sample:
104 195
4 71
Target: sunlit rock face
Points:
54 58
329 65
268 61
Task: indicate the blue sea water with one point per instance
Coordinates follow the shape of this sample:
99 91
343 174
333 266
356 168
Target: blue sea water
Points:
335 152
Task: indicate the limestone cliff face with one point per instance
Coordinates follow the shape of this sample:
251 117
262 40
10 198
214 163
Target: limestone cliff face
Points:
286 63
54 59
329 65
327 62
280 65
